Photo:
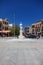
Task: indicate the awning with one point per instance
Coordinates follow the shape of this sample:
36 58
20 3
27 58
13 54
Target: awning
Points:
0 31
5 31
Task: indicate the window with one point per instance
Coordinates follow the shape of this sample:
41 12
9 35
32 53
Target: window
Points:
6 28
42 34
42 22
33 31
5 22
0 25
42 28
33 26
27 30
0 29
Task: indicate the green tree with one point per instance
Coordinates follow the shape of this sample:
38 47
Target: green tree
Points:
15 30
12 30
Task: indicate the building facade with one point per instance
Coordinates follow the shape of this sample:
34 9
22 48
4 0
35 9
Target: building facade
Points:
4 27
37 28
26 30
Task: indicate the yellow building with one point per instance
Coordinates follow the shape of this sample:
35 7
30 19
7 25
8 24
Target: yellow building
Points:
37 28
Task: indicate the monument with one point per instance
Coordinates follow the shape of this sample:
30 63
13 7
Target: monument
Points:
21 37
21 31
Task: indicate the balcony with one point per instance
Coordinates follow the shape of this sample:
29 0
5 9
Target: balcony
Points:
33 26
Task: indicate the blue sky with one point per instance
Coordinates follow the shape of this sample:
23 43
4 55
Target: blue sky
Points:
27 11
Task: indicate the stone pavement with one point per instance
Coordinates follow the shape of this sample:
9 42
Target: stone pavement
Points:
17 53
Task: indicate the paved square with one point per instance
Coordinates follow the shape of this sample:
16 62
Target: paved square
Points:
21 53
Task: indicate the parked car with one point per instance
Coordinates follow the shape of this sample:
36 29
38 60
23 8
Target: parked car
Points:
31 36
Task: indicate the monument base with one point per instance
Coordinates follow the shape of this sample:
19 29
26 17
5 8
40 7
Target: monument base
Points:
21 37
